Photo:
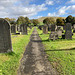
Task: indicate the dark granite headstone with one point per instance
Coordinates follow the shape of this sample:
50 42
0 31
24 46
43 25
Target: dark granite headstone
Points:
5 36
45 29
68 31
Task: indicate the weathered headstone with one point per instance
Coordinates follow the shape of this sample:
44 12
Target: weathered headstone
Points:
45 29
53 34
59 32
5 36
13 29
53 27
49 27
68 31
24 29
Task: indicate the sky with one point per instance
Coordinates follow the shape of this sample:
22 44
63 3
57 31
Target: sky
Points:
36 8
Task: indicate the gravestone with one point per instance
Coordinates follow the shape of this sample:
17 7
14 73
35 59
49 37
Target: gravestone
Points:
24 29
5 36
68 31
49 27
13 29
59 32
45 29
53 27
53 35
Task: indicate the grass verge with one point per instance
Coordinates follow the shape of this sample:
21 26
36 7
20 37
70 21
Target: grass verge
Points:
61 53
9 62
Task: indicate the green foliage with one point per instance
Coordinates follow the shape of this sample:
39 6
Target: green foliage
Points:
60 21
69 19
35 22
20 20
27 21
48 21
73 20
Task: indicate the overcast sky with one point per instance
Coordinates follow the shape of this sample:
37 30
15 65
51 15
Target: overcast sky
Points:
36 8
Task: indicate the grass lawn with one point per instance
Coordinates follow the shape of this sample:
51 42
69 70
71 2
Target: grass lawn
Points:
61 53
9 62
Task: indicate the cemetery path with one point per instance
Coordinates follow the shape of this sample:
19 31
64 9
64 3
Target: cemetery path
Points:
34 61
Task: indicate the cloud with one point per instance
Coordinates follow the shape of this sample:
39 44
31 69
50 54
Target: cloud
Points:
49 2
15 8
52 14
71 1
63 11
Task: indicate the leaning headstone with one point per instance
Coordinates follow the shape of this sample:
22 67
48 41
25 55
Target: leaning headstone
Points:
68 31
5 36
24 29
13 29
45 29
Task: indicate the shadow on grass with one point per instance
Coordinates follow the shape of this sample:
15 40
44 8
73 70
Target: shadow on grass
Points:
61 49
11 53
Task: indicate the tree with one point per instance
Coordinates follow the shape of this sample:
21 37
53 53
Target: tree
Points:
60 21
69 19
27 21
20 20
35 22
48 21
73 20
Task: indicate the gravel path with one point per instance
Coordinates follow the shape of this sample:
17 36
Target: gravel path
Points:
34 61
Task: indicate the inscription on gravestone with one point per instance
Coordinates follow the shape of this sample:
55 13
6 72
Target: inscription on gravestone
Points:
5 37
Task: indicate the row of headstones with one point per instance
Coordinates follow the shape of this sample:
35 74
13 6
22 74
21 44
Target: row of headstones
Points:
22 29
5 35
57 31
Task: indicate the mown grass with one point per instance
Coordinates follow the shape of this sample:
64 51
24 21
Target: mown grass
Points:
61 53
9 62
